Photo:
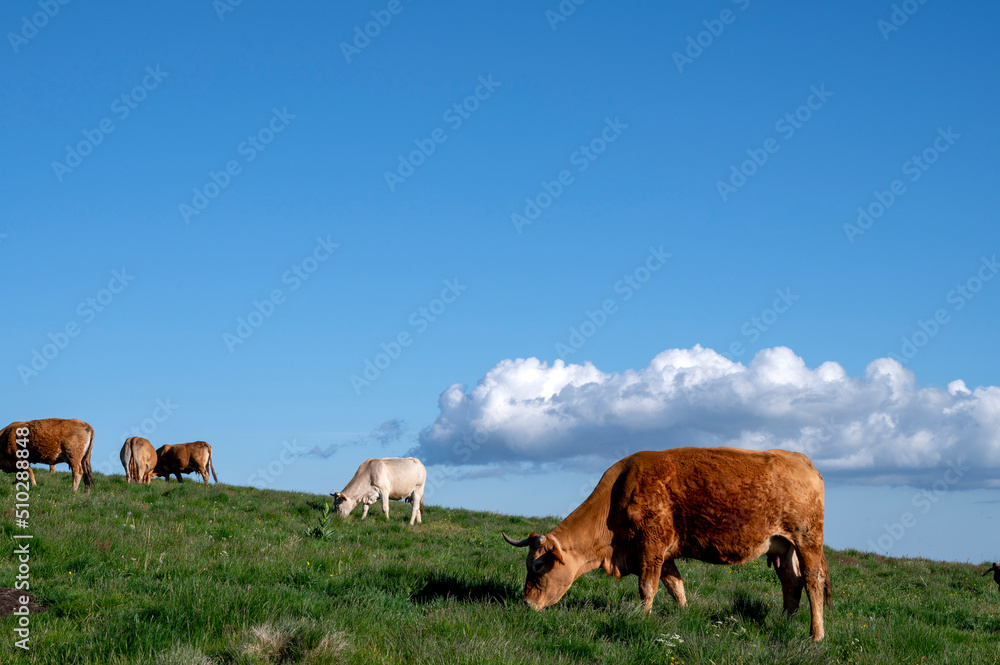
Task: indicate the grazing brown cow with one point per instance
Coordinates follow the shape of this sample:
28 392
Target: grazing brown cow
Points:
995 569
184 458
139 459
49 441
718 505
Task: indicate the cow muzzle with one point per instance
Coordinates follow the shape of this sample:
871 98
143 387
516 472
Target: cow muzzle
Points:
536 599
538 602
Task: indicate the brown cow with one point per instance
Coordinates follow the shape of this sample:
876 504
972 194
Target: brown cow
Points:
139 459
718 505
995 569
184 458
49 441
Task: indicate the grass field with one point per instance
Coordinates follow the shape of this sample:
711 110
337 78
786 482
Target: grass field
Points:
184 574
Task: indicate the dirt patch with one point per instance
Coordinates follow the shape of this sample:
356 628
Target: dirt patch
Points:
10 600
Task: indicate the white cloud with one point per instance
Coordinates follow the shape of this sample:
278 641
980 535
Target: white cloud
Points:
879 428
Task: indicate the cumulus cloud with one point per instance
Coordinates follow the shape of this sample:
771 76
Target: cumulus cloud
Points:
878 428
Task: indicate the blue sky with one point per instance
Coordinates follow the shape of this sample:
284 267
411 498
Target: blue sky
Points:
602 174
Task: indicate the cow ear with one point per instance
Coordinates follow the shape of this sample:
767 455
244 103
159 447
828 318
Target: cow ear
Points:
552 545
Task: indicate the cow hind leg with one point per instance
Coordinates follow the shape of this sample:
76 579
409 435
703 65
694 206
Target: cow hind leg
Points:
416 499
814 570
77 475
671 578
785 560
792 583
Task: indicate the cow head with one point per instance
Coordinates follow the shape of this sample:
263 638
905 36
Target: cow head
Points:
343 505
549 574
162 468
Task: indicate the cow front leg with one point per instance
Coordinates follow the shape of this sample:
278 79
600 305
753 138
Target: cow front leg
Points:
672 579
364 510
649 580
385 505
31 477
179 479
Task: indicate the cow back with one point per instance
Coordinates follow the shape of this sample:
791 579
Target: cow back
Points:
182 457
49 438
717 503
396 476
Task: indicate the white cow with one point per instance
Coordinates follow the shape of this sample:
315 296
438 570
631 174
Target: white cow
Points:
385 478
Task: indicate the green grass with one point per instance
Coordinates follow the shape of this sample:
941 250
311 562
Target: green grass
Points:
184 574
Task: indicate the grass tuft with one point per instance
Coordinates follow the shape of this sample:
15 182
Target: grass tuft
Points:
183 655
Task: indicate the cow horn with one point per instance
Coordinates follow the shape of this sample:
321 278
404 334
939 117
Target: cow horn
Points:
516 543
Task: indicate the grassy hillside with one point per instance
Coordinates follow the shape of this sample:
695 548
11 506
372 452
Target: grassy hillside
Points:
184 574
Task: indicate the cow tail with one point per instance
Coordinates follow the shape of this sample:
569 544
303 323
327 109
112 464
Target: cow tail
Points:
88 472
212 466
133 466
827 583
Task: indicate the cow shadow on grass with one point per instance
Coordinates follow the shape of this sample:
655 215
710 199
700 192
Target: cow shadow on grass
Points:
594 603
464 591
744 609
